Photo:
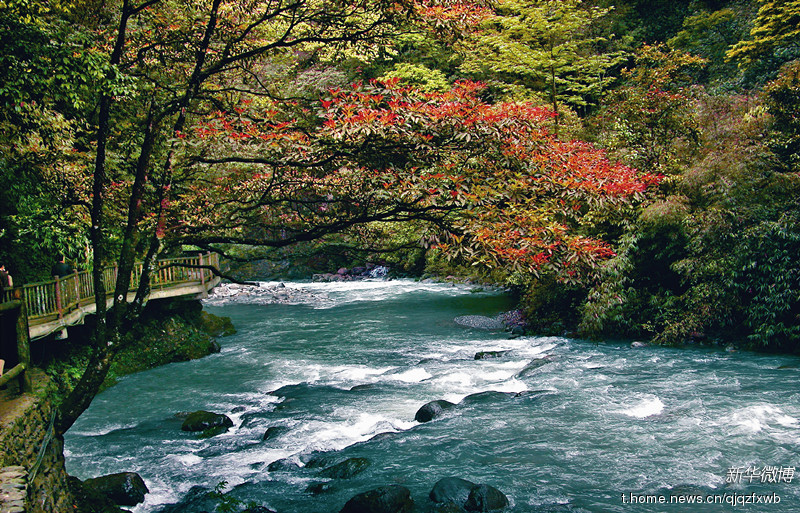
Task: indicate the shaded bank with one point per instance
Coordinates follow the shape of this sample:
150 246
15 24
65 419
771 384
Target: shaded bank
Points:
170 331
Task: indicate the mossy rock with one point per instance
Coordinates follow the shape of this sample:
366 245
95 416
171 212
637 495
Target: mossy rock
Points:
204 420
215 325
347 469
123 488
212 432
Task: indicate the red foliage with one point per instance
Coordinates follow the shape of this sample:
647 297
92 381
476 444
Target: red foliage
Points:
514 194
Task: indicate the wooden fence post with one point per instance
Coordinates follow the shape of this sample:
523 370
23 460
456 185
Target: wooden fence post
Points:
23 343
77 289
59 310
202 272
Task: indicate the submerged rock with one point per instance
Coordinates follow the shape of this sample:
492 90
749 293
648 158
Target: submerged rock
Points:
483 355
532 366
638 345
258 509
451 489
489 395
345 470
320 459
365 386
203 420
274 432
385 499
124 488
319 488
432 410
485 498
282 465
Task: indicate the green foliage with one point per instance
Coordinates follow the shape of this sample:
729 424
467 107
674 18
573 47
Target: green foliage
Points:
546 46
419 75
649 123
776 27
767 276
66 370
710 35
551 307
655 21
783 101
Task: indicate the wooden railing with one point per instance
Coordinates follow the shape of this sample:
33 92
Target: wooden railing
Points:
59 296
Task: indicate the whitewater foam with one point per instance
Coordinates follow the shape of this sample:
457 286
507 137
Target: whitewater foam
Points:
645 408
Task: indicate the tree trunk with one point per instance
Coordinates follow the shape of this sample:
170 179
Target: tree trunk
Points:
84 392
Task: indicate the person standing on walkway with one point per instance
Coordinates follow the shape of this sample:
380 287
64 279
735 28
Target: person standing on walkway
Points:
61 268
6 282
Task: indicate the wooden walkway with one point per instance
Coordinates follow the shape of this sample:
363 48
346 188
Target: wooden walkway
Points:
53 305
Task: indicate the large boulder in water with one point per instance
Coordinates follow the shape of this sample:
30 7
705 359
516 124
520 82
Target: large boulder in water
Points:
385 499
215 325
484 498
319 459
485 397
124 488
346 469
203 420
282 465
274 432
432 410
447 507
466 496
451 489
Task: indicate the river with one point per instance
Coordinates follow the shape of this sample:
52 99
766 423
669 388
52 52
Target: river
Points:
596 427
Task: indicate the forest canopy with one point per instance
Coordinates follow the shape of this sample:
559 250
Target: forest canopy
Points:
631 168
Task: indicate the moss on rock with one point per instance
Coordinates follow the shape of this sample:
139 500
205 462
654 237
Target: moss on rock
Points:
168 331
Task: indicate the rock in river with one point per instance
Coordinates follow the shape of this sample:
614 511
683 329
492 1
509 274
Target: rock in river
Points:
274 432
467 495
203 420
451 489
483 355
385 499
319 488
346 469
282 465
124 488
486 397
532 366
485 498
432 410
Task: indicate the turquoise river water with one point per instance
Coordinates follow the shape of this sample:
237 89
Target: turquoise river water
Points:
598 427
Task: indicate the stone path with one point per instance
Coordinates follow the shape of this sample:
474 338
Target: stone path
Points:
13 489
